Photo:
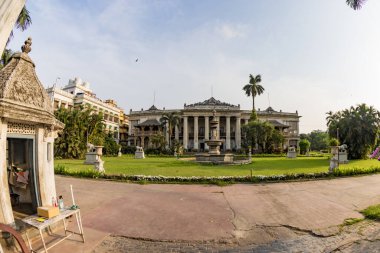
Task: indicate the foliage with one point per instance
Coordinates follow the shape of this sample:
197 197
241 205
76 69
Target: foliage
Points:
253 116
110 145
358 128
318 140
5 58
355 4
125 149
264 134
304 146
334 142
352 221
81 125
170 121
253 89
372 212
158 141
23 22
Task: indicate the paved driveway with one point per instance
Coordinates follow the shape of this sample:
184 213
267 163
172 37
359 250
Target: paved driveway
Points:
246 212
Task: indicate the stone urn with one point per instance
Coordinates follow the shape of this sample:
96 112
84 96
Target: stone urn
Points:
99 150
334 151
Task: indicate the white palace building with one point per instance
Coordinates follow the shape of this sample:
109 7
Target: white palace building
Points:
194 128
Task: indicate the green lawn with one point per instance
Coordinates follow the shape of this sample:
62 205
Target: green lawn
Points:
172 167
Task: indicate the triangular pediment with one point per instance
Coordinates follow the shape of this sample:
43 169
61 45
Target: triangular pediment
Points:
20 84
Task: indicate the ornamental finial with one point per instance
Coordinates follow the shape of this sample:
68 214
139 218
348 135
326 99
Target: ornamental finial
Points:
26 48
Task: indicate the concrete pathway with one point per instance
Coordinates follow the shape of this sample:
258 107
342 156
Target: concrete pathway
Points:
243 214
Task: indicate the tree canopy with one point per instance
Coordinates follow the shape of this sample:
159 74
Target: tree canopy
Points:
318 139
355 4
81 126
358 127
253 89
264 135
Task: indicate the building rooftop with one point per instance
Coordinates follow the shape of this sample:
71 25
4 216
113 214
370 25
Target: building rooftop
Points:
211 102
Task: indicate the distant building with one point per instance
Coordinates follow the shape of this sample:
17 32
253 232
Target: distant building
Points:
194 128
78 93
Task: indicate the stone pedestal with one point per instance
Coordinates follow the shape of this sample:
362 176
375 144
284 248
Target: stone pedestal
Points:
343 157
91 158
98 166
139 154
291 154
333 164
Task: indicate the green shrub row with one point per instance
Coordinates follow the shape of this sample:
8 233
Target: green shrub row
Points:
90 173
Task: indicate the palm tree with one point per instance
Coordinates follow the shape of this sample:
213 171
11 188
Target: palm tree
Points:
253 88
23 21
355 4
172 120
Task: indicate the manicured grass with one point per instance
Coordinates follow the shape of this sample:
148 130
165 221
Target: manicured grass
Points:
168 166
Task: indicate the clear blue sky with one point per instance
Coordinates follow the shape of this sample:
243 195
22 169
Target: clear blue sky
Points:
314 56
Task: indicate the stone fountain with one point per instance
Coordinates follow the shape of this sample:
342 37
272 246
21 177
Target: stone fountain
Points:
214 155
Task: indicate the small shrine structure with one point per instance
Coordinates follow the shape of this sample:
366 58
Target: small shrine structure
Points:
27 132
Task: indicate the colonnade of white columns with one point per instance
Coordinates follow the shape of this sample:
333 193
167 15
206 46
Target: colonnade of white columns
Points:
206 132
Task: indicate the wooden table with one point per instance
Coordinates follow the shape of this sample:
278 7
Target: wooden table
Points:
31 221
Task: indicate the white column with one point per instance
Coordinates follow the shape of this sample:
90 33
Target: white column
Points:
207 129
246 121
196 146
228 134
9 11
185 133
238 133
218 129
6 213
167 134
176 133
45 172
129 133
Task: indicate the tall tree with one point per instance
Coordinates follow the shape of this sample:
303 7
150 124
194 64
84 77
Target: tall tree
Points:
253 88
358 128
170 120
355 4
264 134
23 21
81 126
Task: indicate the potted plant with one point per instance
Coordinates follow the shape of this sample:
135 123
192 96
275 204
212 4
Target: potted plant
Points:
334 146
98 142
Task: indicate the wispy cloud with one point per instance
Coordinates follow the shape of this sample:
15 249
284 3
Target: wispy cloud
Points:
230 31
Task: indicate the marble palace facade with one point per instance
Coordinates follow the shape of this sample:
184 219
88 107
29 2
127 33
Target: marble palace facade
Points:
194 127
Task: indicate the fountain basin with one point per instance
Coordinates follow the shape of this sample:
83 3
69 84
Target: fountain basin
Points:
214 158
